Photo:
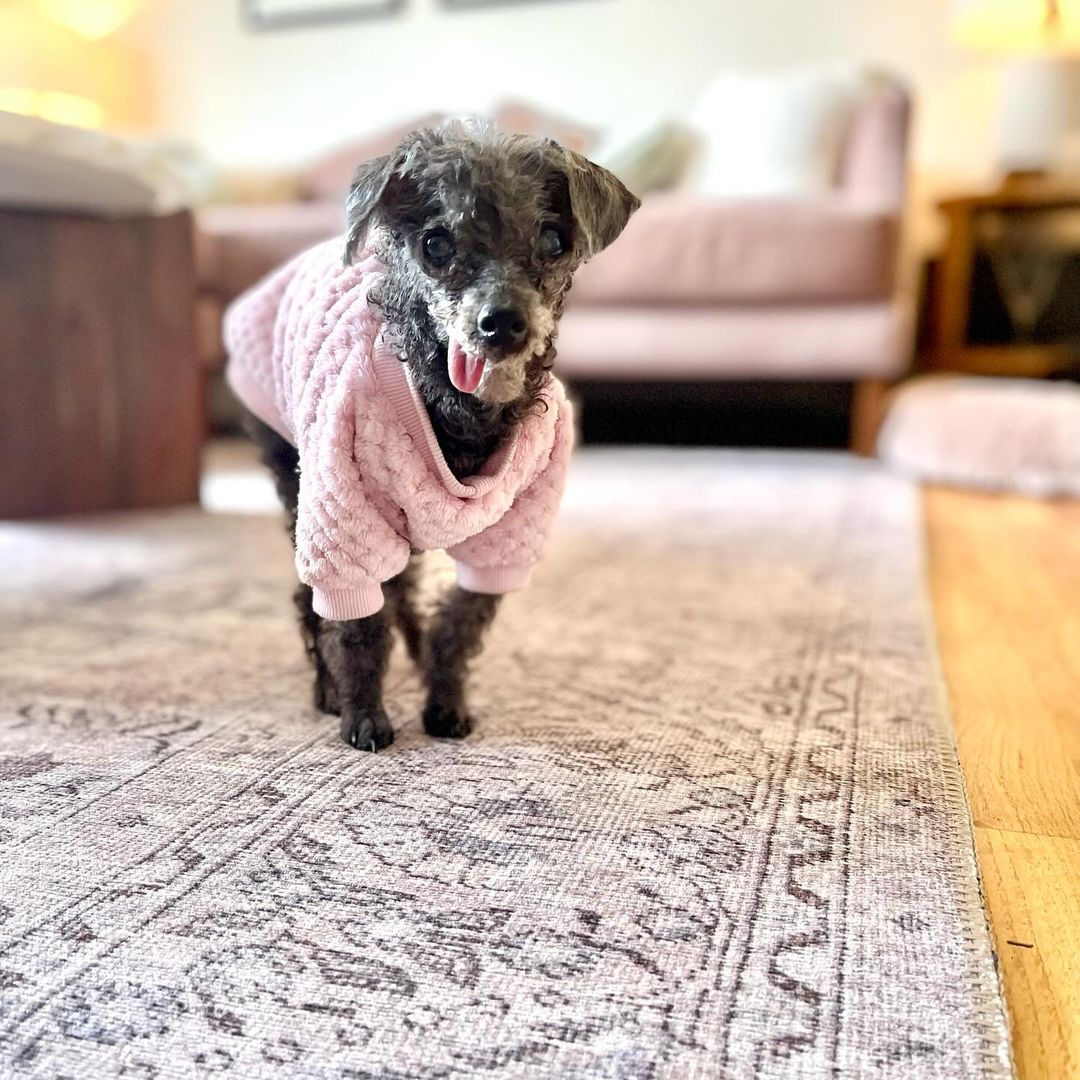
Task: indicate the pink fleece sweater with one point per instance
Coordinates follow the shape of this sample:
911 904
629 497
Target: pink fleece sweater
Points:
307 356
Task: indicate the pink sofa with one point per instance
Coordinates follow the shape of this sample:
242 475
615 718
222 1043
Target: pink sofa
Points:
698 289
695 289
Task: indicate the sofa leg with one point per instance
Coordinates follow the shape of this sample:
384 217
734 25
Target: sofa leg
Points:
867 412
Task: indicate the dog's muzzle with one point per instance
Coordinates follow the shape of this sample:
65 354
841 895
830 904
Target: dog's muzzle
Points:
490 344
500 333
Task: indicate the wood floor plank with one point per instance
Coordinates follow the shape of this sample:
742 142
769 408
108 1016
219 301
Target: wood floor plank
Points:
1005 580
1005 576
1033 892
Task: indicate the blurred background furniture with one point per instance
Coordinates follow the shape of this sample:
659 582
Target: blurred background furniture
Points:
1026 441
801 286
102 404
1008 289
103 401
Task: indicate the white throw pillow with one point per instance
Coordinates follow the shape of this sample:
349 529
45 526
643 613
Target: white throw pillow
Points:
778 134
652 155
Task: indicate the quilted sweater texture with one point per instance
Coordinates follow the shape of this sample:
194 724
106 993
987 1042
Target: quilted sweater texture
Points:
307 355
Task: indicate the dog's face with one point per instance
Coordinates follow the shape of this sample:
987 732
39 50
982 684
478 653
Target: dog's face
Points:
480 233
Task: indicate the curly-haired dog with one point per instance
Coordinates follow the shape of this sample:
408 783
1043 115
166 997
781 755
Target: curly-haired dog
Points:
404 400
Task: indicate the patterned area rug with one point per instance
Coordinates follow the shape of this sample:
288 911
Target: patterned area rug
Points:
711 825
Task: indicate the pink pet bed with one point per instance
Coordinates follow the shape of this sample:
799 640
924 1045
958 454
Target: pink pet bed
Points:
1017 435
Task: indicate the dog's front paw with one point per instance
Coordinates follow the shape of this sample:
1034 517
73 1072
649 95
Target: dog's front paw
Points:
446 721
366 729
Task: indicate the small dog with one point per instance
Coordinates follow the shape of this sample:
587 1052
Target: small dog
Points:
478 234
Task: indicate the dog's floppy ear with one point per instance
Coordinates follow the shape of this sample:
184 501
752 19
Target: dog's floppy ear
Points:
600 202
367 191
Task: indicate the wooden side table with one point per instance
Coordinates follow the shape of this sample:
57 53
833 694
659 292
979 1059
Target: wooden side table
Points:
1019 198
101 397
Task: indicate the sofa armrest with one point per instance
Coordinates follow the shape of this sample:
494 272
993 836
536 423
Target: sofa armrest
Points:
235 246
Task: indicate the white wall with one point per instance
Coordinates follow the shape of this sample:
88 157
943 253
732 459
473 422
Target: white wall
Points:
254 99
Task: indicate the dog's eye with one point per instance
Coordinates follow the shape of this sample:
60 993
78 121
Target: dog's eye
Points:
552 242
438 247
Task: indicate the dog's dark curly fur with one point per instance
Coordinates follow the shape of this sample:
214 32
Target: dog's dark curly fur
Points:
514 217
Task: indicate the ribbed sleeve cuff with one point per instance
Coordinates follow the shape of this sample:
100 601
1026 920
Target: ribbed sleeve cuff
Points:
493 579
356 603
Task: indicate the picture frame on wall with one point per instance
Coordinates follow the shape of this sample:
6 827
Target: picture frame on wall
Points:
290 14
464 5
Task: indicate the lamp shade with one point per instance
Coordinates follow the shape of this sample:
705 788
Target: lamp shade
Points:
1018 26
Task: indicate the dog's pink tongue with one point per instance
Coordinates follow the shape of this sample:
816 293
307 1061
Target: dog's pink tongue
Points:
465 371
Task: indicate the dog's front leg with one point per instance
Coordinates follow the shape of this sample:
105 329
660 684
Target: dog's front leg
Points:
356 652
454 638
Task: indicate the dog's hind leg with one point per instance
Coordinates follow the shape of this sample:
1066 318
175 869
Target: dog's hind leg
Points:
282 459
400 603
454 638
324 691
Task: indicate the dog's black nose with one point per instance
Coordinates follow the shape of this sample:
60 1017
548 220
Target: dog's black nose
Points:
505 328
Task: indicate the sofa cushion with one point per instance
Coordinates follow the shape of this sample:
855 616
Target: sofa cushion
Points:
819 341
237 245
683 249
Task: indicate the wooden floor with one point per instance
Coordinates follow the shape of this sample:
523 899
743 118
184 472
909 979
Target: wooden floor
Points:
1005 576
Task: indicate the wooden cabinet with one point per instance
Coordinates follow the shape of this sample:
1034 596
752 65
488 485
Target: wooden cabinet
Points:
1010 230
101 396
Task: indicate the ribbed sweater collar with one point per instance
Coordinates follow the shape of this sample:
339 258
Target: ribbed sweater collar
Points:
394 380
